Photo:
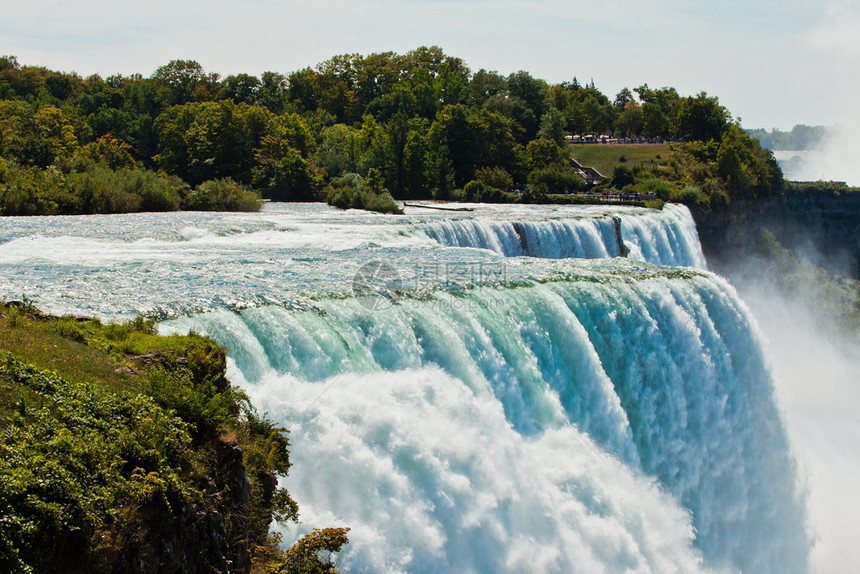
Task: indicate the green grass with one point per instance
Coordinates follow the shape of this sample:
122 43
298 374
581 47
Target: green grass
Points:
105 354
33 342
604 157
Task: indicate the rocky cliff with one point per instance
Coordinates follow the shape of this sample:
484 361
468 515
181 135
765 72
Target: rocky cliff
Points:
822 227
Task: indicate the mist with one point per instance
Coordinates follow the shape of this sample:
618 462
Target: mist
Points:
815 372
835 159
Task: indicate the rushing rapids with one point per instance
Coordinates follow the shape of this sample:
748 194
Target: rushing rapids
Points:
461 393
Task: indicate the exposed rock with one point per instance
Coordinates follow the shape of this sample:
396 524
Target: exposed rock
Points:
821 227
195 540
159 358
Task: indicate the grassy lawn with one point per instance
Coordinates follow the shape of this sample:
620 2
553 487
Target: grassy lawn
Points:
604 157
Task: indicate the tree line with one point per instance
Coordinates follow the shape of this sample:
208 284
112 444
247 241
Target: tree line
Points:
800 137
417 125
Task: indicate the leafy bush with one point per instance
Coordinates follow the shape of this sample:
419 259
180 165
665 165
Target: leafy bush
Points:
351 191
312 554
496 177
535 194
73 462
658 187
622 176
558 177
689 195
221 195
828 187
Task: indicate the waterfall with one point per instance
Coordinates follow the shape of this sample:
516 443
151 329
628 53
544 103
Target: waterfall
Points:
491 431
586 239
509 405
665 237
668 237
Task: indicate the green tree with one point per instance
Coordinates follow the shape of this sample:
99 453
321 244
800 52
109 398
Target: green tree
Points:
659 109
376 76
533 93
273 92
242 88
335 83
514 109
289 177
416 153
622 176
485 85
49 137
702 118
553 126
287 131
622 99
182 81
543 152
338 151
304 89
373 147
211 140
495 176
472 138
110 150
630 121
399 100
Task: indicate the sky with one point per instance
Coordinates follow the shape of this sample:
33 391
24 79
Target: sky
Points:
772 63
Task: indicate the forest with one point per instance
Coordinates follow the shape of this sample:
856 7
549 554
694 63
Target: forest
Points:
353 129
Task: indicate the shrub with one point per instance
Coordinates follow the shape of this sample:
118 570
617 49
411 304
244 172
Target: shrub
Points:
68 469
474 191
558 177
622 176
87 466
496 177
659 187
351 191
535 194
689 195
222 195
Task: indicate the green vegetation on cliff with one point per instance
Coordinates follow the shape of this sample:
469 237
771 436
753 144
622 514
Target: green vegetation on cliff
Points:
124 451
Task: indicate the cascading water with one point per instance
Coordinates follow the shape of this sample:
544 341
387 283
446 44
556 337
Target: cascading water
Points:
587 239
501 408
661 375
666 237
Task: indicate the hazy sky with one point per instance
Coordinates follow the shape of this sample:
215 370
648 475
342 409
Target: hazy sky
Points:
774 63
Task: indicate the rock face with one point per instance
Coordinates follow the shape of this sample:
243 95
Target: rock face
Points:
821 227
194 540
